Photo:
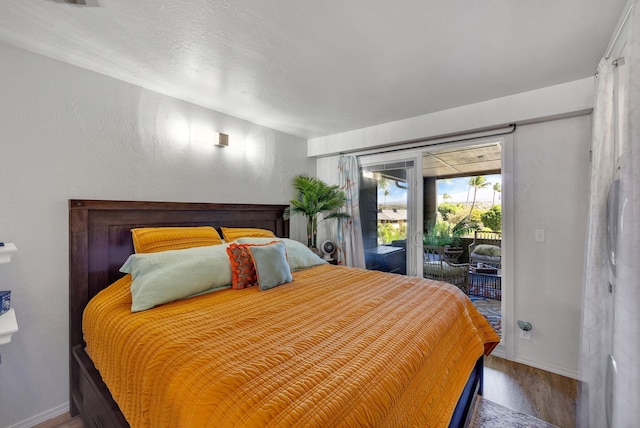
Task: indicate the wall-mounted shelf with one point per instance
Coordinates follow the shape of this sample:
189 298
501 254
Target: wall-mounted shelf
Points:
8 326
6 251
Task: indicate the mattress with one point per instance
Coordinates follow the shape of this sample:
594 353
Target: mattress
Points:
338 346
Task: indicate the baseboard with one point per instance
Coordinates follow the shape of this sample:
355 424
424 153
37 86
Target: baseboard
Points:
499 352
42 417
562 371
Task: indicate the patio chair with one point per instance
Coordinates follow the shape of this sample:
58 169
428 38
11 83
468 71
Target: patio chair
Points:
437 266
485 249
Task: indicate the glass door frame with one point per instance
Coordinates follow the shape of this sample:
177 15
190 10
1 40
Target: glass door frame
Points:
414 209
415 213
506 348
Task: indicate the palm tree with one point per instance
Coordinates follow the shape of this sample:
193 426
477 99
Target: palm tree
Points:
446 197
386 193
314 197
477 182
496 188
383 183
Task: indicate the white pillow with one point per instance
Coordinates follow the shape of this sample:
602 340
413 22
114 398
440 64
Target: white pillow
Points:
167 276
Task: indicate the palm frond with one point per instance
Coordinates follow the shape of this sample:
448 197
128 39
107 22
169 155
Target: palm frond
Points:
463 227
336 215
314 197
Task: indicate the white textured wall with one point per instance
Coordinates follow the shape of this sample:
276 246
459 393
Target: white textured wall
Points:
545 103
551 191
69 133
550 179
327 170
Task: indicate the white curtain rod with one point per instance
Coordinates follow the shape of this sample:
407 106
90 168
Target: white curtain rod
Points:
618 31
434 142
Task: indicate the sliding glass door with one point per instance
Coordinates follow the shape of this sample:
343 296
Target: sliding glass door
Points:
443 187
387 205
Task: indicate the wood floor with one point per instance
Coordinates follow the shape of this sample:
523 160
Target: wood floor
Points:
62 421
545 395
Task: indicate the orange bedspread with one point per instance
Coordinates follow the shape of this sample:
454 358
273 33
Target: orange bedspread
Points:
337 347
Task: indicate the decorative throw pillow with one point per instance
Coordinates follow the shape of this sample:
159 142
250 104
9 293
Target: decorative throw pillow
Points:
155 239
271 265
299 256
243 271
232 233
487 250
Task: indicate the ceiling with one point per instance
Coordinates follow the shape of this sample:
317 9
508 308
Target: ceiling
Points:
463 161
315 68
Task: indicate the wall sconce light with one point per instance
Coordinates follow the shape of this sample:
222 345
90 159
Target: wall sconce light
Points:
223 140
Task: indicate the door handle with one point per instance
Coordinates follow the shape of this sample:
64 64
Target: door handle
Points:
609 383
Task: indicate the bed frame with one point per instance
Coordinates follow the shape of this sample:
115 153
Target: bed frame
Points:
100 242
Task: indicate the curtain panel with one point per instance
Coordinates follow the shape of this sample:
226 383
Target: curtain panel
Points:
349 232
597 303
610 393
626 339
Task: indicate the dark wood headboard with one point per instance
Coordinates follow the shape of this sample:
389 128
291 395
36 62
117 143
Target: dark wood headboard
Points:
100 240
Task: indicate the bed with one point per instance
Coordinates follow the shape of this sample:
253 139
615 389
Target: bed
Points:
314 375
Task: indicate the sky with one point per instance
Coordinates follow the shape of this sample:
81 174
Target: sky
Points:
396 195
457 188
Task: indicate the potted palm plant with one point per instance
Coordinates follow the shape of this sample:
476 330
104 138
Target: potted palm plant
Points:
313 198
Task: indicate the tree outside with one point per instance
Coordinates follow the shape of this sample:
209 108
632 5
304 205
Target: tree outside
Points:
497 188
492 218
389 232
471 198
476 183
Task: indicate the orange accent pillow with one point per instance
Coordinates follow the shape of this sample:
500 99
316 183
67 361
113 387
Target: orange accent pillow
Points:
243 269
230 234
155 239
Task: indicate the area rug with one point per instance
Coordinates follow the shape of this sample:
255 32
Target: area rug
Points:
491 309
488 414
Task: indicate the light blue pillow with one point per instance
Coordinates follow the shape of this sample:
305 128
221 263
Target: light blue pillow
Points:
271 265
167 276
299 255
